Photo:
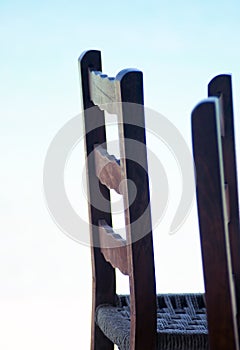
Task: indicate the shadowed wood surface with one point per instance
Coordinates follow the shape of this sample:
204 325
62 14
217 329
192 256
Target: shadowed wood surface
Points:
137 215
221 87
213 212
102 271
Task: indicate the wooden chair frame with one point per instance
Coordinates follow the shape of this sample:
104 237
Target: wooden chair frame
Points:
218 211
123 96
158 322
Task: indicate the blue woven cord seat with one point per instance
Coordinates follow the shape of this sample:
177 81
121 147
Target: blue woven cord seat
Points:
181 322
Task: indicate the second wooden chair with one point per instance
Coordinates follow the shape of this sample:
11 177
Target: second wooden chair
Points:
218 211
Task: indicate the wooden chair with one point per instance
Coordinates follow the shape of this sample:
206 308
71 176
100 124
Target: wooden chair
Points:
218 211
141 321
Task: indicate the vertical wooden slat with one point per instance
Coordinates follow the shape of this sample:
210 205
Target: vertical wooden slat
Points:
213 222
139 235
221 86
104 284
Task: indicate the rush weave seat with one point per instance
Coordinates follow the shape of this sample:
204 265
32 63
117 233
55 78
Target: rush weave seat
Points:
181 322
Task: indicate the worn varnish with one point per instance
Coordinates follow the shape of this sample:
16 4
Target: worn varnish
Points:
108 169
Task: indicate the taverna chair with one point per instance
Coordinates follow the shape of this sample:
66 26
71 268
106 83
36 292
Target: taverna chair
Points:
142 320
218 211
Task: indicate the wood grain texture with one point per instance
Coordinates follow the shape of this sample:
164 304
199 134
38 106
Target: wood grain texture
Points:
213 223
108 169
113 247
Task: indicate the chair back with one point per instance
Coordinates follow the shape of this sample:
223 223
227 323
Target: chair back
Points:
128 176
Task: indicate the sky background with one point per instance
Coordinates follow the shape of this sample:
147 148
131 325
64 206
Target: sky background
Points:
45 277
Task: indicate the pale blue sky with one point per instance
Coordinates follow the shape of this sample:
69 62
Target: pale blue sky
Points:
45 278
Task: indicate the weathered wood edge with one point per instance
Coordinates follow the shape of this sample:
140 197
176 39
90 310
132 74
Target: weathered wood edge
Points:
113 247
108 169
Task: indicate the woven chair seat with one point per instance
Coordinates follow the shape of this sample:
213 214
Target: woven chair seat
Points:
181 322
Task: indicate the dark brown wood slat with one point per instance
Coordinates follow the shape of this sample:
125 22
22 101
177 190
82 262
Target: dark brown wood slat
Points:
113 247
108 169
102 271
227 199
212 212
221 86
139 235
